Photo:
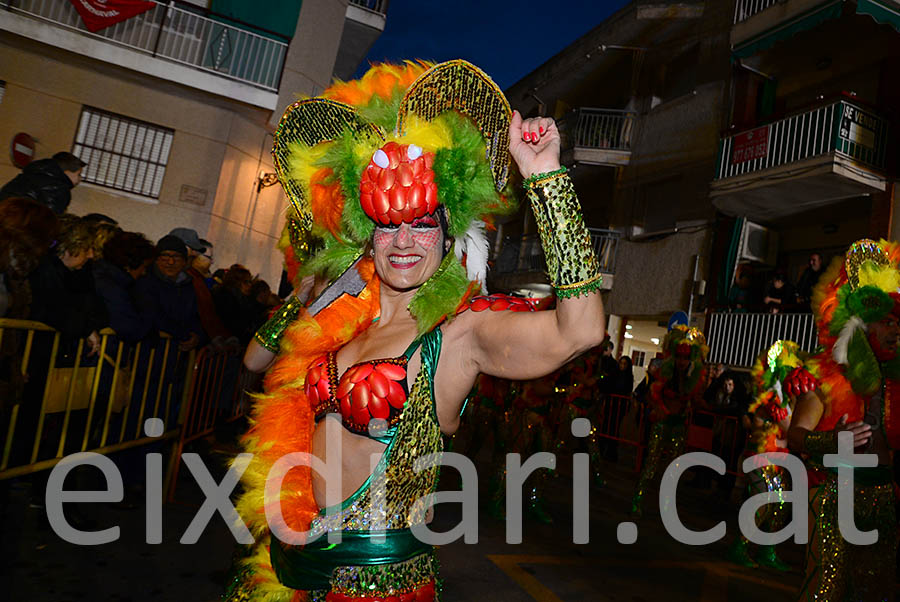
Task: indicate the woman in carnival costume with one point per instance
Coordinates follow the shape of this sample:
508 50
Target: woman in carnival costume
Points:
780 377
682 380
857 308
396 173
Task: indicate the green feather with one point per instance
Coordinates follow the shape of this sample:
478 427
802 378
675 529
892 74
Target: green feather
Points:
383 111
463 175
333 259
870 303
863 370
441 294
841 312
348 168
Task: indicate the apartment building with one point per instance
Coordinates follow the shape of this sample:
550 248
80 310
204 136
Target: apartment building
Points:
810 157
641 99
174 108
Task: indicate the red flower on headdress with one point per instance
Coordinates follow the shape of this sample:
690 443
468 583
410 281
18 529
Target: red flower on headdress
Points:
398 184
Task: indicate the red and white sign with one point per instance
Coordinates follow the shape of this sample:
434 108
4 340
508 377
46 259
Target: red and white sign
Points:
98 14
750 145
22 149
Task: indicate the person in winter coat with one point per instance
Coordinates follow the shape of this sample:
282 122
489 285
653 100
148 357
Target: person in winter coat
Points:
63 292
126 258
47 181
167 293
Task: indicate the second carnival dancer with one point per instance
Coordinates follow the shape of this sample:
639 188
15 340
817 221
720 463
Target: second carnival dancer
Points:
681 382
780 378
857 309
397 172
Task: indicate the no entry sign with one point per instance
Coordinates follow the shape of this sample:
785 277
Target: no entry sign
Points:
22 149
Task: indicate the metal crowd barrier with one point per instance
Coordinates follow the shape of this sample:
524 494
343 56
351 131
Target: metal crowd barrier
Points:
59 401
622 419
215 396
611 423
718 434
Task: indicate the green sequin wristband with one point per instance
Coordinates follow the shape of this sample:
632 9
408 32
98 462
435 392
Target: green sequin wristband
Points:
819 443
269 335
530 181
571 262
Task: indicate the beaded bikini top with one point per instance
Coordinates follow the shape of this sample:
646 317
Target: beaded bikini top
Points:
374 389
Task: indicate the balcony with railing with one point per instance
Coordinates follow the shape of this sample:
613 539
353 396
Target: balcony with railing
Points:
744 9
735 339
599 136
363 24
810 159
161 40
759 24
523 259
376 6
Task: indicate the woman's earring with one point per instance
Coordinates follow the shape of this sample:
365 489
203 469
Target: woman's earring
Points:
371 252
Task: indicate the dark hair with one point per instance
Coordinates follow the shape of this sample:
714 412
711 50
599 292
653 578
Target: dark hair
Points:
99 218
128 250
235 276
258 287
28 228
68 161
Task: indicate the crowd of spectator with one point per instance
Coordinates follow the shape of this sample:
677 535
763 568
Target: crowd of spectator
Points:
80 275
779 294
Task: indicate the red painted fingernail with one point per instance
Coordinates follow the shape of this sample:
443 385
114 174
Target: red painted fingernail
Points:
525 136
541 129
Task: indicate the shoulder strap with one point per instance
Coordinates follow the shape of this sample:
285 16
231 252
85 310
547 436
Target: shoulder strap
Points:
431 351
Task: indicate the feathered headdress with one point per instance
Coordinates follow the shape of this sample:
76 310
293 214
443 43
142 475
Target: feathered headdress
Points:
391 147
686 342
854 292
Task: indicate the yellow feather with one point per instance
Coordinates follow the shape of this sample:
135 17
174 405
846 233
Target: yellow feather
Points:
303 162
885 278
430 136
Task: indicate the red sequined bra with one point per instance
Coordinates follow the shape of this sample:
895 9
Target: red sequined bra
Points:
367 390
378 388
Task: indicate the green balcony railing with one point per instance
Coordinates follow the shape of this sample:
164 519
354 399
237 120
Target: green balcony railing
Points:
844 128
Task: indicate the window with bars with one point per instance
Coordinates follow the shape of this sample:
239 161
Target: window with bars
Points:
122 153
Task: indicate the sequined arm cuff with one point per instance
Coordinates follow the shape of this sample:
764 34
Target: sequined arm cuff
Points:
819 443
571 262
269 335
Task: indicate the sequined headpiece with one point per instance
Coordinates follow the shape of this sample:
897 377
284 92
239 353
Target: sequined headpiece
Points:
686 342
861 289
389 148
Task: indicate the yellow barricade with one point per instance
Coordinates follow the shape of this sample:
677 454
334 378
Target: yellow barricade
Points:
65 402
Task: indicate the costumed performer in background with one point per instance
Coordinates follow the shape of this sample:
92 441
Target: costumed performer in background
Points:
682 380
396 173
779 377
857 309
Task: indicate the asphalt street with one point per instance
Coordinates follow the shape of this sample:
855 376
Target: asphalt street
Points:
547 566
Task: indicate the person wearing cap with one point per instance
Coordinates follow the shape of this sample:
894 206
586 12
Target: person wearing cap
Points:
47 181
199 255
167 293
191 240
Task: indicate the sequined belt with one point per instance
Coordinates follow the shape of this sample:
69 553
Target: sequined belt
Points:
311 566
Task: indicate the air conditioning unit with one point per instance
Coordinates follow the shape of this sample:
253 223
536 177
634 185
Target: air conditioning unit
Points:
758 244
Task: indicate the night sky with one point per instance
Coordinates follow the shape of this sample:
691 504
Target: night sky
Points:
507 40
